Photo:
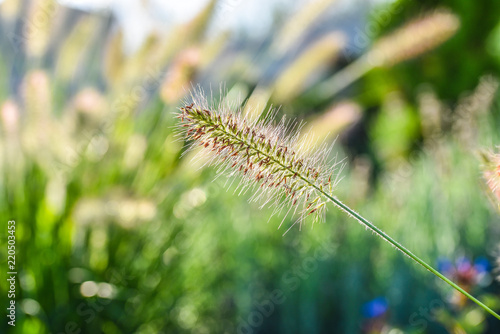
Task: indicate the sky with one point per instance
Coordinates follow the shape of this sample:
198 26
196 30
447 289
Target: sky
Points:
139 17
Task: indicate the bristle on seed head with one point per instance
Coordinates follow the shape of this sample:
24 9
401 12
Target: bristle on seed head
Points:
268 156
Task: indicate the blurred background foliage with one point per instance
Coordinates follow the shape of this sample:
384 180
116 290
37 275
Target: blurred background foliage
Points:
117 233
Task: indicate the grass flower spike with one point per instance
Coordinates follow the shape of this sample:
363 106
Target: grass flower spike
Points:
407 42
414 39
492 174
271 160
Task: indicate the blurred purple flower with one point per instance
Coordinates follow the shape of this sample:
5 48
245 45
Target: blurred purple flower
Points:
466 273
463 265
482 265
445 266
375 308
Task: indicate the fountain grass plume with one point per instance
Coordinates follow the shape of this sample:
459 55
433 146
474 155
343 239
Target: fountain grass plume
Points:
273 160
491 174
410 41
268 159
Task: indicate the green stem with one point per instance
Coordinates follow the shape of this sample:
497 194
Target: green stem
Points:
342 78
403 249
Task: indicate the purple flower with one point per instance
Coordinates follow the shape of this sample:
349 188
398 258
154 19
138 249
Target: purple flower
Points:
463 265
445 266
482 265
375 308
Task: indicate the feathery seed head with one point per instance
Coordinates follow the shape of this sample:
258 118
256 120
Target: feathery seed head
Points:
414 39
492 173
269 156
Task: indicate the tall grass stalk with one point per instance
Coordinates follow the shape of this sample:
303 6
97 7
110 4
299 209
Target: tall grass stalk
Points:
409 41
270 161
